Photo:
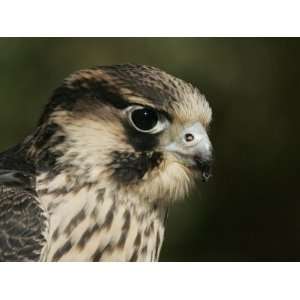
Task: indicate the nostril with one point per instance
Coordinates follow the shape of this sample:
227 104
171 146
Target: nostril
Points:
189 137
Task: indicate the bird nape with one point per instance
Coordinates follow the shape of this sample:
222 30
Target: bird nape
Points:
115 146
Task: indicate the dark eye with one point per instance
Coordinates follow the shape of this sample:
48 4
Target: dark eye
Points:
146 119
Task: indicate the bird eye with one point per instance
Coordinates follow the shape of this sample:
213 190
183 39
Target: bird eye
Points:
146 119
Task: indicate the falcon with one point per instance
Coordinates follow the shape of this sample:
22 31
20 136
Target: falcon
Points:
113 149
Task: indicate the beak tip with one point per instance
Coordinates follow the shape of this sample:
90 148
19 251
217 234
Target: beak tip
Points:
205 176
205 168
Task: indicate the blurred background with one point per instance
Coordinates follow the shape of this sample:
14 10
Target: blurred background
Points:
250 209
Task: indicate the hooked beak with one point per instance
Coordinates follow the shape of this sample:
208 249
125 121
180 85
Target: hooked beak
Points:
193 148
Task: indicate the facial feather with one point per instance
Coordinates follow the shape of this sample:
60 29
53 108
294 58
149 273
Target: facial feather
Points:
98 142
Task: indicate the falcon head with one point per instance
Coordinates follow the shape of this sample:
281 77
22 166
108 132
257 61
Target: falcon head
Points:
134 127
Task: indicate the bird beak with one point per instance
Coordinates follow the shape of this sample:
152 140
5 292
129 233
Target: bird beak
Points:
193 148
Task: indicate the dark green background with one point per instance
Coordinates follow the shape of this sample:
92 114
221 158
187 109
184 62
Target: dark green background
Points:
250 209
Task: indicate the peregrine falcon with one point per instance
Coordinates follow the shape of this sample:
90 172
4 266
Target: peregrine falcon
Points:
113 149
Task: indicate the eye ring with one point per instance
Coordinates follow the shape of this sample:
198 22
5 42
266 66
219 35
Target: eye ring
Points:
145 119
